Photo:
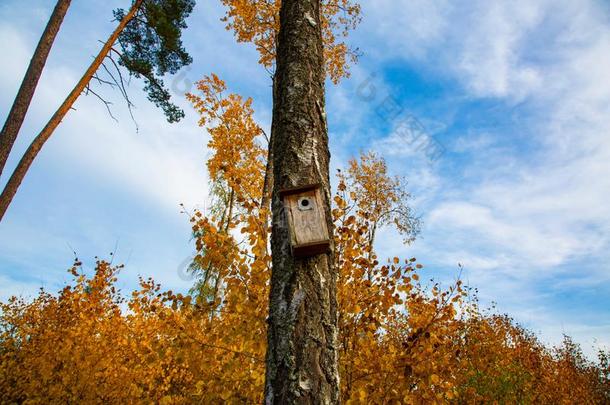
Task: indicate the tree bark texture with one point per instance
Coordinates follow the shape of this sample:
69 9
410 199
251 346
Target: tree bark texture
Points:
16 115
302 332
32 151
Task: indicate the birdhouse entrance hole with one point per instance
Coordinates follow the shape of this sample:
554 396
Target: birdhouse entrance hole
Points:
305 204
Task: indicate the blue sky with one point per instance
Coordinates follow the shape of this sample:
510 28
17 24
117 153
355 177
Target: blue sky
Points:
516 94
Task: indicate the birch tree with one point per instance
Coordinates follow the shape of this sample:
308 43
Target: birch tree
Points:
301 361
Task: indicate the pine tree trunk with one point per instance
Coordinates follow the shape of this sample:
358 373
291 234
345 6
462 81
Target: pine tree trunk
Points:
302 333
16 115
32 151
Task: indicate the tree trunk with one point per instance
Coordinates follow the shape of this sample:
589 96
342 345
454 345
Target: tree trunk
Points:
32 151
26 91
302 333
268 180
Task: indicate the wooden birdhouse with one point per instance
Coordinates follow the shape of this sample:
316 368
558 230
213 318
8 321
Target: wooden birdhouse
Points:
306 220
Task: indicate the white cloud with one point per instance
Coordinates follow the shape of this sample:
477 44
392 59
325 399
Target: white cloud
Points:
163 164
16 58
406 28
514 216
488 57
544 207
11 287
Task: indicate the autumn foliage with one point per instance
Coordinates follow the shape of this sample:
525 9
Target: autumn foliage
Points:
258 22
401 340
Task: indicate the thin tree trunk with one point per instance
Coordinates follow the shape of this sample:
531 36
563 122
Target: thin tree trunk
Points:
302 333
226 230
16 115
32 151
268 181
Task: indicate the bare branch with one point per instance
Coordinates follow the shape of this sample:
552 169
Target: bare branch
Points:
102 81
106 102
121 84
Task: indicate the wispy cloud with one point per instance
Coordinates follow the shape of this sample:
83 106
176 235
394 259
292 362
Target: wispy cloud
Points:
515 204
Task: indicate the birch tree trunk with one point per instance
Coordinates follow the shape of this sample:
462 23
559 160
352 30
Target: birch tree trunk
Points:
302 333
26 91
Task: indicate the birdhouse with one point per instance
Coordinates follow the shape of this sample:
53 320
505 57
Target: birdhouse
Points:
306 220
